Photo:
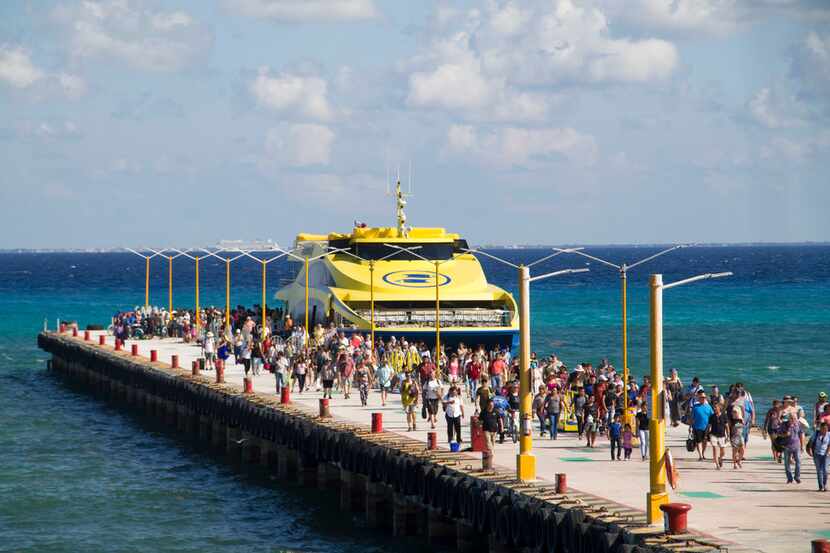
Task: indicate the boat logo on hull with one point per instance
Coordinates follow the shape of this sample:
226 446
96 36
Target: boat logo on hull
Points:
415 279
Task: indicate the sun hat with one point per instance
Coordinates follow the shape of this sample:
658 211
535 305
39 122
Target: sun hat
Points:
822 395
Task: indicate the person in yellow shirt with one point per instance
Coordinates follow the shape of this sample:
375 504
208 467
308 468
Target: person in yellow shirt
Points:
410 392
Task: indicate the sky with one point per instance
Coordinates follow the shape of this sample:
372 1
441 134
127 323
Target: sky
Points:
184 122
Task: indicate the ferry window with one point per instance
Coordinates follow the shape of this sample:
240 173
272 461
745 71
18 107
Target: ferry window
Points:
430 251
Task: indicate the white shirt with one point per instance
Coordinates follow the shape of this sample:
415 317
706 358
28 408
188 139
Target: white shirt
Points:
454 406
433 387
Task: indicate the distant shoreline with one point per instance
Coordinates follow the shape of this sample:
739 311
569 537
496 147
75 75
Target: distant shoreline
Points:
482 246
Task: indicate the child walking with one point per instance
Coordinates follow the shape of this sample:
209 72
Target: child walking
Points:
627 438
614 434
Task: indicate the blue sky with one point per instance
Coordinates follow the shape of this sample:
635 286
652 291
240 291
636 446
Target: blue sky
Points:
130 122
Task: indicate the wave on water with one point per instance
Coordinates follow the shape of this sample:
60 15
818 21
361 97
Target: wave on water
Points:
773 367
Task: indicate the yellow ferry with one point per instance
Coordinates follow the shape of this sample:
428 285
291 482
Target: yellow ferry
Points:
396 277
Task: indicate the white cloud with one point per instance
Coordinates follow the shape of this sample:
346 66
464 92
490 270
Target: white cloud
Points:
811 66
305 10
155 41
291 94
455 80
170 21
300 145
708 16
16 67
73 86
769 109
498 64
517 146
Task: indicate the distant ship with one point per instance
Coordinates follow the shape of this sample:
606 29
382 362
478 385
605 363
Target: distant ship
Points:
247 245
342 284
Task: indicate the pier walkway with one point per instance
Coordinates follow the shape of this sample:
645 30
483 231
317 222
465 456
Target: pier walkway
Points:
752 508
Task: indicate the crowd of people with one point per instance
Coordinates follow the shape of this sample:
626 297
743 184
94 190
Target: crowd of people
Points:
588 399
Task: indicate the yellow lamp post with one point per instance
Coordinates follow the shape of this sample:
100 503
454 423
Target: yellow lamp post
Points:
147 259
628 417
525 460
198 307
657 494
227 261
265 263
170 259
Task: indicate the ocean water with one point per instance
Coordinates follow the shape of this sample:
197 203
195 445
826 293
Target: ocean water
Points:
78 475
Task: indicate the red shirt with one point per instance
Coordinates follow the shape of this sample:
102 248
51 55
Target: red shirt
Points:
497 367
474 371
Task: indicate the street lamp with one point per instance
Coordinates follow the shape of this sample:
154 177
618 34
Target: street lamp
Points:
198 309
525 461
228 261
170 259
371 263
264 263
147 259
623 269
657 494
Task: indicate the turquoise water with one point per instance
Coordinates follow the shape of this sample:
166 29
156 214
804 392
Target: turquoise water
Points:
77 475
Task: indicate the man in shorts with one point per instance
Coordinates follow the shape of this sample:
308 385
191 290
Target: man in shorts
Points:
410 392
716 430
701 411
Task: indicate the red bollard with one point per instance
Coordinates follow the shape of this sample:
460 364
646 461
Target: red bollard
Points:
87 336
477 439
561 482
324 408
194 369
285 395
432 440
117 344
154 356
102 340
377 422
134 350
174 361
821 546
249 385
74 331
220 371
675 517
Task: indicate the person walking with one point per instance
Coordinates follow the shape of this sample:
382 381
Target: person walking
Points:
432 394
383 376
328 374
793 448
410 392
454 412
553 408
820 447
675 386
701 411
615 435
736 434
642 429
492 425
627 439
716 430
772 421
539 408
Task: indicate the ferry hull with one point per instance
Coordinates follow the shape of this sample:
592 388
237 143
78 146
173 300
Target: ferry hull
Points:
501 337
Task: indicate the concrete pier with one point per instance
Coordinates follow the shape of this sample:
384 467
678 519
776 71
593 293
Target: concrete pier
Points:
394 481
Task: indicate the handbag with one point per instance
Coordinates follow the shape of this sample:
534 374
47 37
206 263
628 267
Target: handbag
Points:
690 442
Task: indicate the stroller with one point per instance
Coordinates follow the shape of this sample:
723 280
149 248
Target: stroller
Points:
508 417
